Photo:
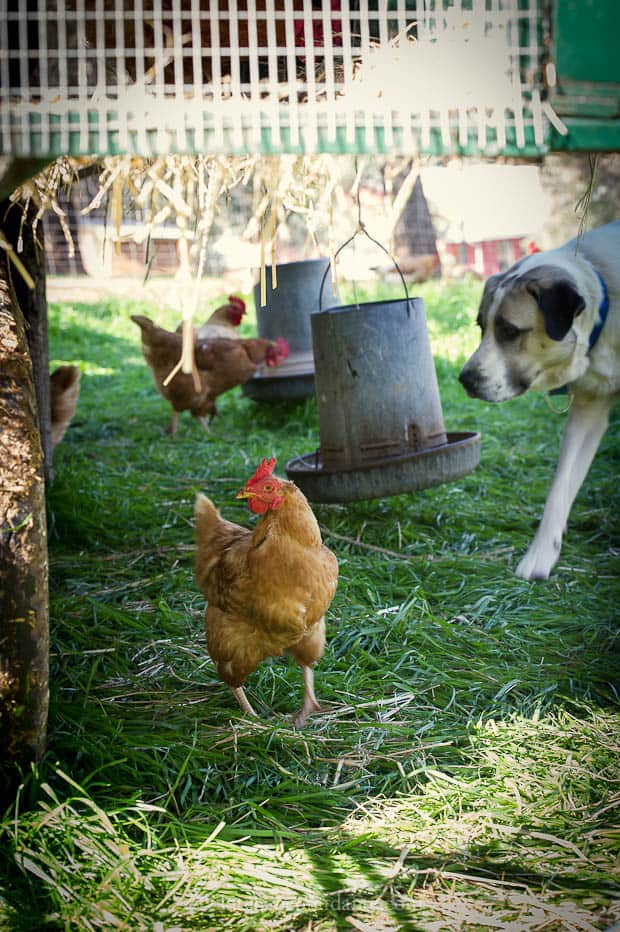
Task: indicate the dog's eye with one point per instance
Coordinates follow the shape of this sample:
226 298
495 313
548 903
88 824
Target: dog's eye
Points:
506 331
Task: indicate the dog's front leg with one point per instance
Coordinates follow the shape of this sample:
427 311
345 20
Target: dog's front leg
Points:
587 422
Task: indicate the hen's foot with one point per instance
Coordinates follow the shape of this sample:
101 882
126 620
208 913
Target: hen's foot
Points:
305 712
242 699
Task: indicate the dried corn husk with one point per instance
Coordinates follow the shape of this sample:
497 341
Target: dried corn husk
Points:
190 190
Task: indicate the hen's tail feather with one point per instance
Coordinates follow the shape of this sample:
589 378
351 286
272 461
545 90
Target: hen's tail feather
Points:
207 516
145 325
205 511
213 535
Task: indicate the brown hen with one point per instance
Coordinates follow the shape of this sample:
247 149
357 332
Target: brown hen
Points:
64 394
267 590
223 322
221 365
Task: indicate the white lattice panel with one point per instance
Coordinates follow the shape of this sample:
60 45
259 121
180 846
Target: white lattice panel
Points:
157 76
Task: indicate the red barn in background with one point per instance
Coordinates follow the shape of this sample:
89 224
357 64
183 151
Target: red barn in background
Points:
487 257
484 214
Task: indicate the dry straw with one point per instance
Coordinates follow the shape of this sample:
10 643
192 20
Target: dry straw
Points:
189 190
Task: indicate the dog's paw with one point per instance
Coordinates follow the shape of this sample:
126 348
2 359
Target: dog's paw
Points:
538 562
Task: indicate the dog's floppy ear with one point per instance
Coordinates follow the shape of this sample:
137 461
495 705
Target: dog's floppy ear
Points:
559 303
490 286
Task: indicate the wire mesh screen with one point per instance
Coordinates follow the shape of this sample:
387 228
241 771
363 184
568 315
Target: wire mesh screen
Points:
157 76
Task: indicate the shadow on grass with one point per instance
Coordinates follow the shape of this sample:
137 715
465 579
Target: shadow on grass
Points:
373 882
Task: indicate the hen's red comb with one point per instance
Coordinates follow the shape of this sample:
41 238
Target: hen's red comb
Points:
237 302
264 470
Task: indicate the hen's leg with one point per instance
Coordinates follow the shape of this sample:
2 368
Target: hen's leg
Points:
310 703
174 423
205 423
242 699
305 653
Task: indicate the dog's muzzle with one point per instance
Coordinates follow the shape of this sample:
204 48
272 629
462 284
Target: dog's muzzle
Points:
470 380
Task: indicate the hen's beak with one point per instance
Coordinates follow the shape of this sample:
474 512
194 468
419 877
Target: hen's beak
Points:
244 493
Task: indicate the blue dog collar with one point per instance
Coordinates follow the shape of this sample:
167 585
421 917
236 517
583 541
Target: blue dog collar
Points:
603 310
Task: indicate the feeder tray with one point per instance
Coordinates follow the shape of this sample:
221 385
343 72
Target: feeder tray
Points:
389 476
279 387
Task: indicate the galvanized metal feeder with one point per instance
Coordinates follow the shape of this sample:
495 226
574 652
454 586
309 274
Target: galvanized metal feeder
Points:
380 418
287 314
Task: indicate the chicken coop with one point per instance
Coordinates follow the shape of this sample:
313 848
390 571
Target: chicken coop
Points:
292 76
158 78
278 76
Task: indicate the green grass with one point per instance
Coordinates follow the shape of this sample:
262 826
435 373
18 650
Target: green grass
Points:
464 773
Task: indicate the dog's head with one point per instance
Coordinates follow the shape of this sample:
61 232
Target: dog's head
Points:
526 318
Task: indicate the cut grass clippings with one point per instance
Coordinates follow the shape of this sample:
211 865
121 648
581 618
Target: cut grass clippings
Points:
464 771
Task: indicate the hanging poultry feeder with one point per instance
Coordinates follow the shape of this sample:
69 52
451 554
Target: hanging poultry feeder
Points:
287 314
380 418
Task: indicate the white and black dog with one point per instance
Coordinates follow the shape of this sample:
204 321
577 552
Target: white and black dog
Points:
553 320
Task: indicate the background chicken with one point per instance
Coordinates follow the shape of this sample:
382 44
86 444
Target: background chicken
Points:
221 365
267 590
223 322
64 394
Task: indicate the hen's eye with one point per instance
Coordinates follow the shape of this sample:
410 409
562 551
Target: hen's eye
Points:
268 487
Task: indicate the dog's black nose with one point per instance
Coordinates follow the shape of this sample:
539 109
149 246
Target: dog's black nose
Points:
469 380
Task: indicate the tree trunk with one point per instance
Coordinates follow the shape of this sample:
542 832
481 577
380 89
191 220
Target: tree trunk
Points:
33 305
24 631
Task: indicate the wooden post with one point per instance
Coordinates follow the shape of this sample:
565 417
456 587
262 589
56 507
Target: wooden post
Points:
24 625
33 305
